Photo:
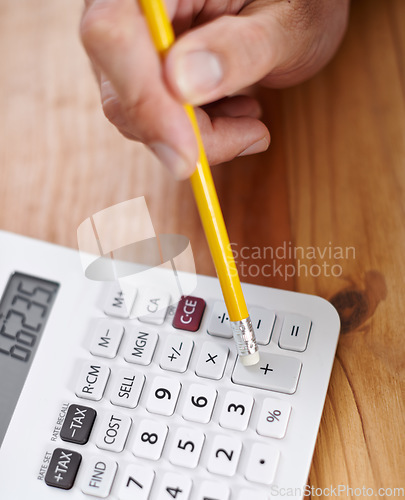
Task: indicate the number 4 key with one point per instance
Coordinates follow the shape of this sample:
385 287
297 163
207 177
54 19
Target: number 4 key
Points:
176 486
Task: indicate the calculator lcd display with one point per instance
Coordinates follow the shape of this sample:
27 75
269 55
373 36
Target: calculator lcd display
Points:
24 310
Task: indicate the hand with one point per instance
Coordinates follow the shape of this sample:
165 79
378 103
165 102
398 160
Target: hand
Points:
223 46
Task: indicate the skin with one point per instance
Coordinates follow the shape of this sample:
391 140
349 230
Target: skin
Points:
222 48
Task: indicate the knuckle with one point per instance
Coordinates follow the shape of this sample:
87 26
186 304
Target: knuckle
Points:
99 28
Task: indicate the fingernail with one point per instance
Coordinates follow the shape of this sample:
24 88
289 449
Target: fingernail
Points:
171 159
197 73
257 147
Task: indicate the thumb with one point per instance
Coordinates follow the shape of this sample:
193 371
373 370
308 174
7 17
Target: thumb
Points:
224 56
278 43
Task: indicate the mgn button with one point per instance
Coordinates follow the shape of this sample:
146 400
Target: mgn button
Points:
78 424
189 313
63 468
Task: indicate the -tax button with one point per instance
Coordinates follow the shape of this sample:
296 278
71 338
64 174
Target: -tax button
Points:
78 424
189 314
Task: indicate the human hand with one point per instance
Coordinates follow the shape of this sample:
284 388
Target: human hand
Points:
222 48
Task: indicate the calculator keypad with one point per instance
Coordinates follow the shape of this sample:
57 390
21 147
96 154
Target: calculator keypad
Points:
98 476
262 463
78 424
212 360
295 333
113 431
63 468
186 447
236 411
176 354
137 483
92 381
150 437
140 347
127 386
199 403
160 395
273 373
107 337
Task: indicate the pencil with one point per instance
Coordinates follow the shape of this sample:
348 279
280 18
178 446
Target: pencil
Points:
208 206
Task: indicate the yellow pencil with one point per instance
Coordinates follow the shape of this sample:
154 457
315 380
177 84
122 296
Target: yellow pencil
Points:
208 206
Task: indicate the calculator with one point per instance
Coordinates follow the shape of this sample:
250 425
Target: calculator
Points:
102 397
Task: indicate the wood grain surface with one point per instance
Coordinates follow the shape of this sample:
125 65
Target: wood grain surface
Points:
331 188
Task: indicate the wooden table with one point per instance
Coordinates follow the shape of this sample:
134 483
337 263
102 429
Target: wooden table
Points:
333 179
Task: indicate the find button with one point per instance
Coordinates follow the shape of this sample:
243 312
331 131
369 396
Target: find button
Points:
189 313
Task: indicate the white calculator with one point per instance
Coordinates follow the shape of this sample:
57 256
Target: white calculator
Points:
97 401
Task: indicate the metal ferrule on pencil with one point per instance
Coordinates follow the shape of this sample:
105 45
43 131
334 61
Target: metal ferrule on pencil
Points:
244 337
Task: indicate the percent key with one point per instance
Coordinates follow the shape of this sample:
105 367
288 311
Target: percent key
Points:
273 418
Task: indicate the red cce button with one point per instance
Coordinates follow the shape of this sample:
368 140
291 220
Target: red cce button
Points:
189 313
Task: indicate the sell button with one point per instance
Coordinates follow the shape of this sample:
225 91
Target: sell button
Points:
189 313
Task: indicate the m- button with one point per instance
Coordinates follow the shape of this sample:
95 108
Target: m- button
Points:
189 314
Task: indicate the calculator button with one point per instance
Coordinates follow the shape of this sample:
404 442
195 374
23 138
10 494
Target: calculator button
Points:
189 313
212 360
78 423
126 388
163 396
136 483
263 322
273 418
219 322
150 437
210 490
199 403
295 333
176 353
98 476
273 372
186 447
140 347
246 494
92 381
107 337
152 305
174 485
224 455
262 463
63 468
236 411
119 303
113 432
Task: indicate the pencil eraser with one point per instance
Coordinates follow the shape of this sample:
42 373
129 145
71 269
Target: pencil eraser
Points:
250 359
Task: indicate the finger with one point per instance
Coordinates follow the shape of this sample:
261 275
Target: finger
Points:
118 42
229 128
235 106
226 137
232 52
